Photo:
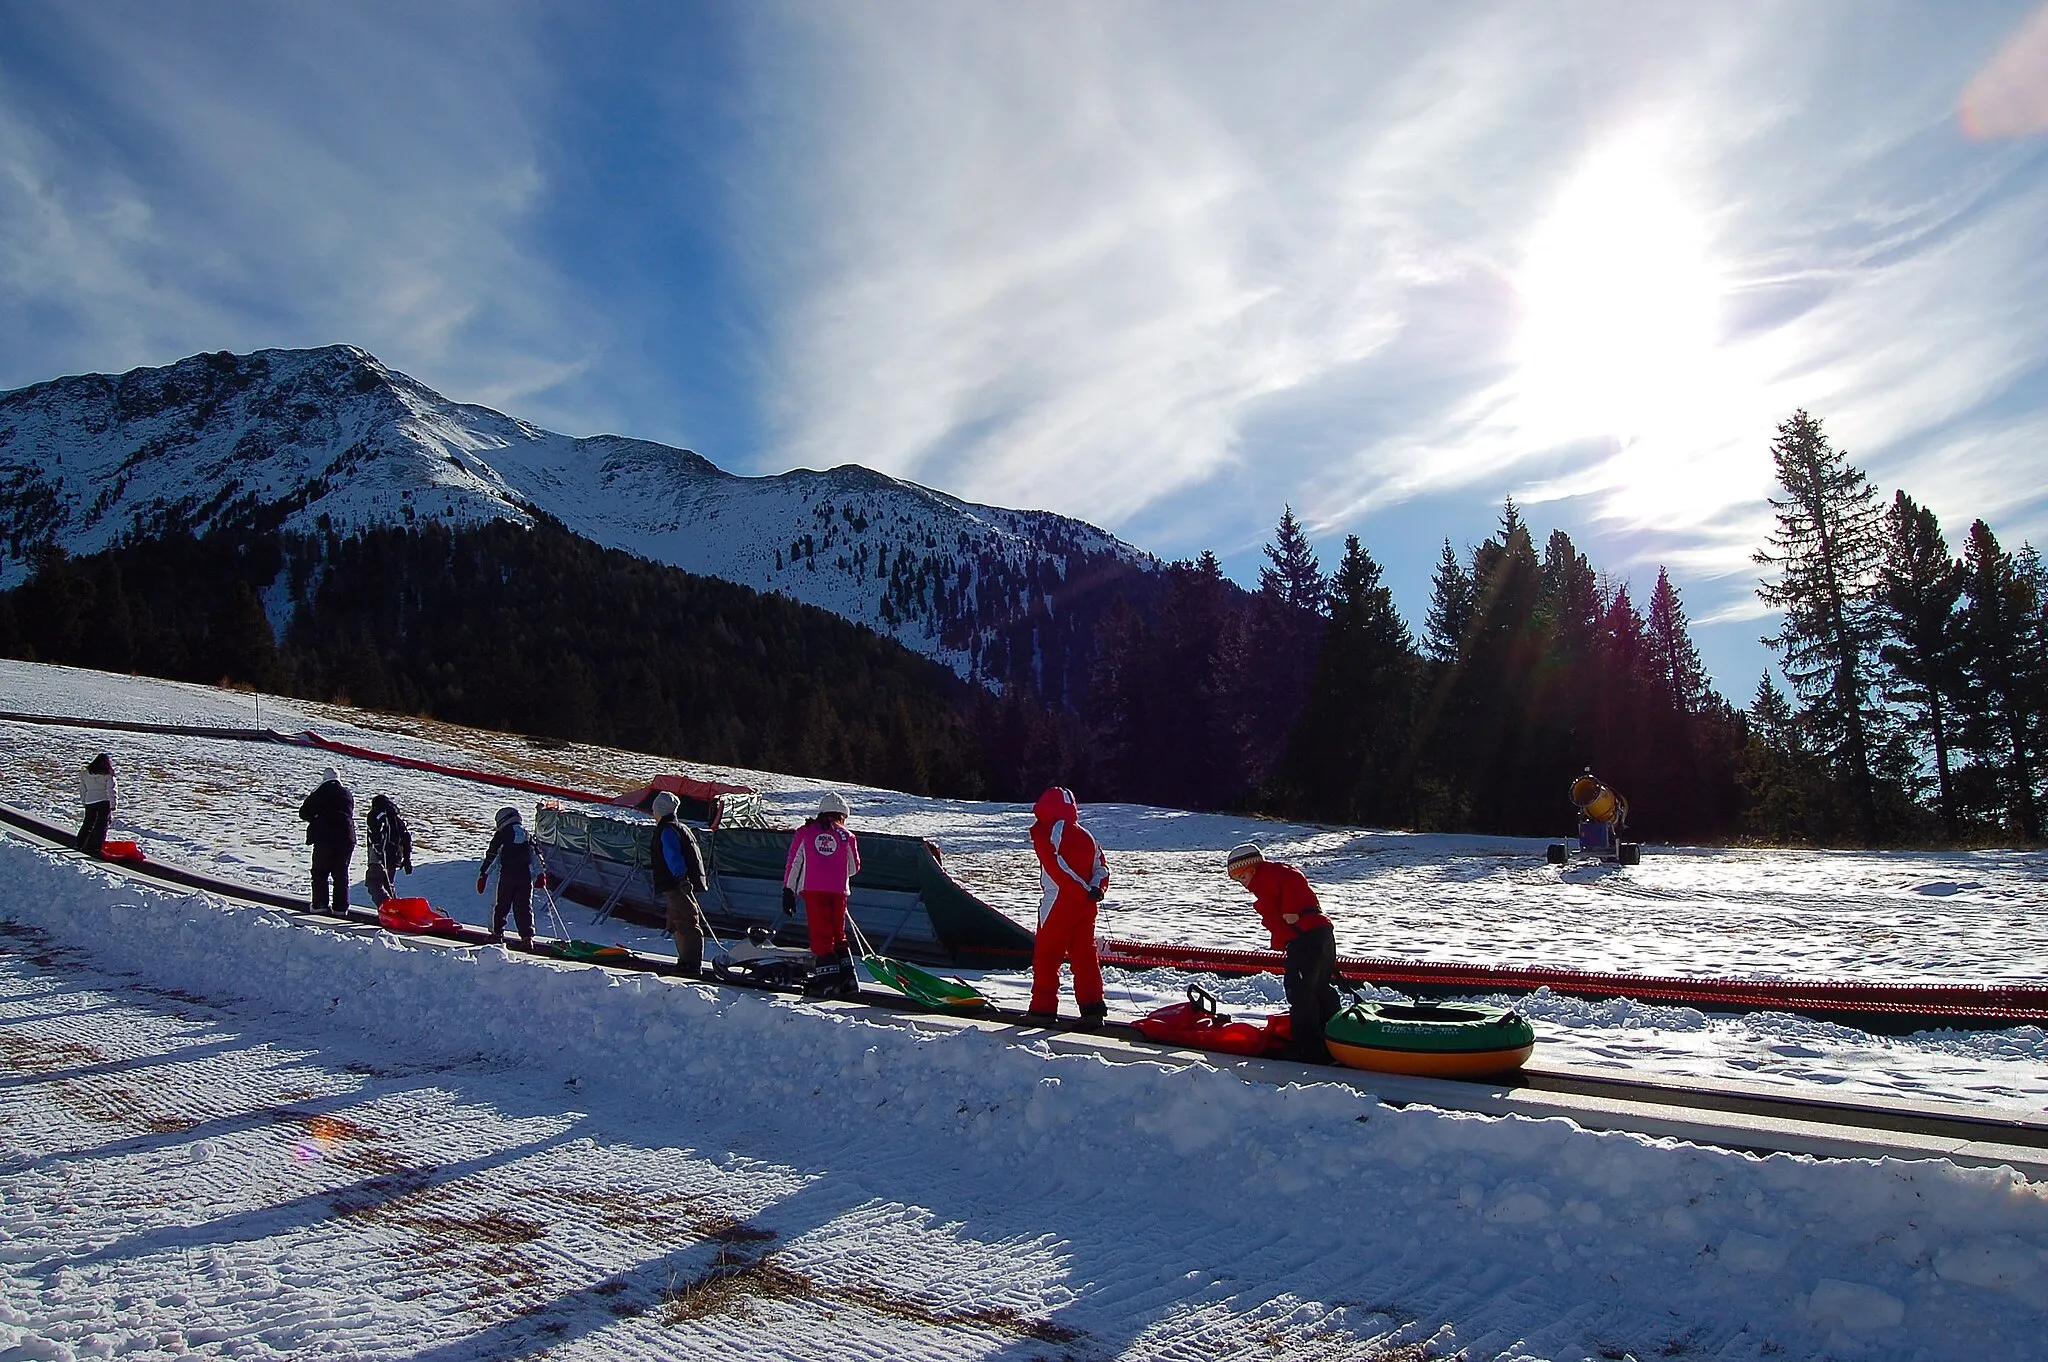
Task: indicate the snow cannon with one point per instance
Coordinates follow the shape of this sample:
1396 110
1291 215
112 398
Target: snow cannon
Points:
1597 803
1602 815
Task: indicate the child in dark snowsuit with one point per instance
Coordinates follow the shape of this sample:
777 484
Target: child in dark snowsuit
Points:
511 850
390 847
330 815
96 792
677 865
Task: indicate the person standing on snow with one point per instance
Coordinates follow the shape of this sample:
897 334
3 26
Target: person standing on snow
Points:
96 792
511 850
678 871
1294 919
330 816
390 846
1075 876
824 856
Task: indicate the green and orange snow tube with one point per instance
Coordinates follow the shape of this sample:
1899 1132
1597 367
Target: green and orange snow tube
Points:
1447 1040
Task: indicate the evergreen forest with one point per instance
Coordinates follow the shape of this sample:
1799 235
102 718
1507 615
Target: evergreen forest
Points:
1914 710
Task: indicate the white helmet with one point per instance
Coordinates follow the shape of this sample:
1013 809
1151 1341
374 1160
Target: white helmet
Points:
832 803
666 804
508 814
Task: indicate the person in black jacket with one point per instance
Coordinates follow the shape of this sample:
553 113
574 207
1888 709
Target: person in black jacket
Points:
511 850
330 815
678 872
390 846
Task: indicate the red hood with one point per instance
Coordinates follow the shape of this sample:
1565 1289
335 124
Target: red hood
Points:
1055 805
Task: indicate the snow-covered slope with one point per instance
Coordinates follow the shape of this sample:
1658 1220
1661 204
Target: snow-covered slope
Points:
332 438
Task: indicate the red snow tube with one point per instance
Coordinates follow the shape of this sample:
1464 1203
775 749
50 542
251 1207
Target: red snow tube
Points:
122 851
415 915
1196 1023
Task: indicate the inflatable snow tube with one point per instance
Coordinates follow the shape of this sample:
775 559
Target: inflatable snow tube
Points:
1452 1040
1198 1025
415 916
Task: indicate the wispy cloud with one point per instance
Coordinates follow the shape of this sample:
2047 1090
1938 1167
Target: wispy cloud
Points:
174 179
1073 256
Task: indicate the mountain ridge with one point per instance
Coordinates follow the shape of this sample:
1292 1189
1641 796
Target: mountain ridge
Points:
331 439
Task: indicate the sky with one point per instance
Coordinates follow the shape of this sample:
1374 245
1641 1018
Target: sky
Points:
1166 267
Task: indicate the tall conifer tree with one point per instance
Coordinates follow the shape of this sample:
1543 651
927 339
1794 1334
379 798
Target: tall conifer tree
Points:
1826 551
1450 607
1349 758
1674 662
2005 661
1918 587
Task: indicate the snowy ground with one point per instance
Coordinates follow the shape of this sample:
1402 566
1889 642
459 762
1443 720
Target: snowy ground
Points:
1975 916
227 1132
224 1133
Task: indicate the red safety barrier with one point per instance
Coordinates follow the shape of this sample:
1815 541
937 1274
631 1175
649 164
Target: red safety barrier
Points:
2017 1004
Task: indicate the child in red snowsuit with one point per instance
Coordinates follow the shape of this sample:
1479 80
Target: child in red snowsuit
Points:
1075 877
1295 923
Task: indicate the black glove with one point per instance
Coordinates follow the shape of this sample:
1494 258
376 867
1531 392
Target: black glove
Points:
788 901
408 867
1095 894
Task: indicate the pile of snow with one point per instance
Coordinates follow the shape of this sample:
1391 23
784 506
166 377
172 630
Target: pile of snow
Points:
1178 1203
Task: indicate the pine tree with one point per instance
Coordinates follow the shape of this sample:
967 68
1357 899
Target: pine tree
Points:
1571 598
1295 577
1675 666
1776 774
1450 608
1918 587
1349 757
1826 550
2005 666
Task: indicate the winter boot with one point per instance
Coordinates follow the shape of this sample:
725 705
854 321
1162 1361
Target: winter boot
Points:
1093 1015
822 979
847 984
1041 1018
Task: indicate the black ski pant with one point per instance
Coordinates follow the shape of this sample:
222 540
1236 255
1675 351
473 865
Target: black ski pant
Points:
515 896
378 879
1311 997
685 927
92 834
330 878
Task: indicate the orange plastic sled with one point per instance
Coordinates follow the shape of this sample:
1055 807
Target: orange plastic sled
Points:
415 915
121 851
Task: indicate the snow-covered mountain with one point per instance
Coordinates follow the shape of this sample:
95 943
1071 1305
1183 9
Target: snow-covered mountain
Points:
332 439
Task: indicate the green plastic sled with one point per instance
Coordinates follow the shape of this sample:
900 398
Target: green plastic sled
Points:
588 952
922 986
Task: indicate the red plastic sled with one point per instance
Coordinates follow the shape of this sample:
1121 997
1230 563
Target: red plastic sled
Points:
415 915
121 851
1197 1024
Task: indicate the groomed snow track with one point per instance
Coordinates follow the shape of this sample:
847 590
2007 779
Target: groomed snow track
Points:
1886 1009
1744 1117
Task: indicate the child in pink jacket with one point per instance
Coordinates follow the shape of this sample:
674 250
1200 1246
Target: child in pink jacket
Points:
824 856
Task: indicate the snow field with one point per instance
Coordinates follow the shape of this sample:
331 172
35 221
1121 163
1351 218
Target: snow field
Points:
231 808
1153 1211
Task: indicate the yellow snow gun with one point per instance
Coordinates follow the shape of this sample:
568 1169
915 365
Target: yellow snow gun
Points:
1602 815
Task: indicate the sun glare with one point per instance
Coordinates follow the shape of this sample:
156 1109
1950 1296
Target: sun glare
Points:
1619 296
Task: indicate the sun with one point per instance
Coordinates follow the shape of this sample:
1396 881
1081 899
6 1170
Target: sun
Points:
1619 295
